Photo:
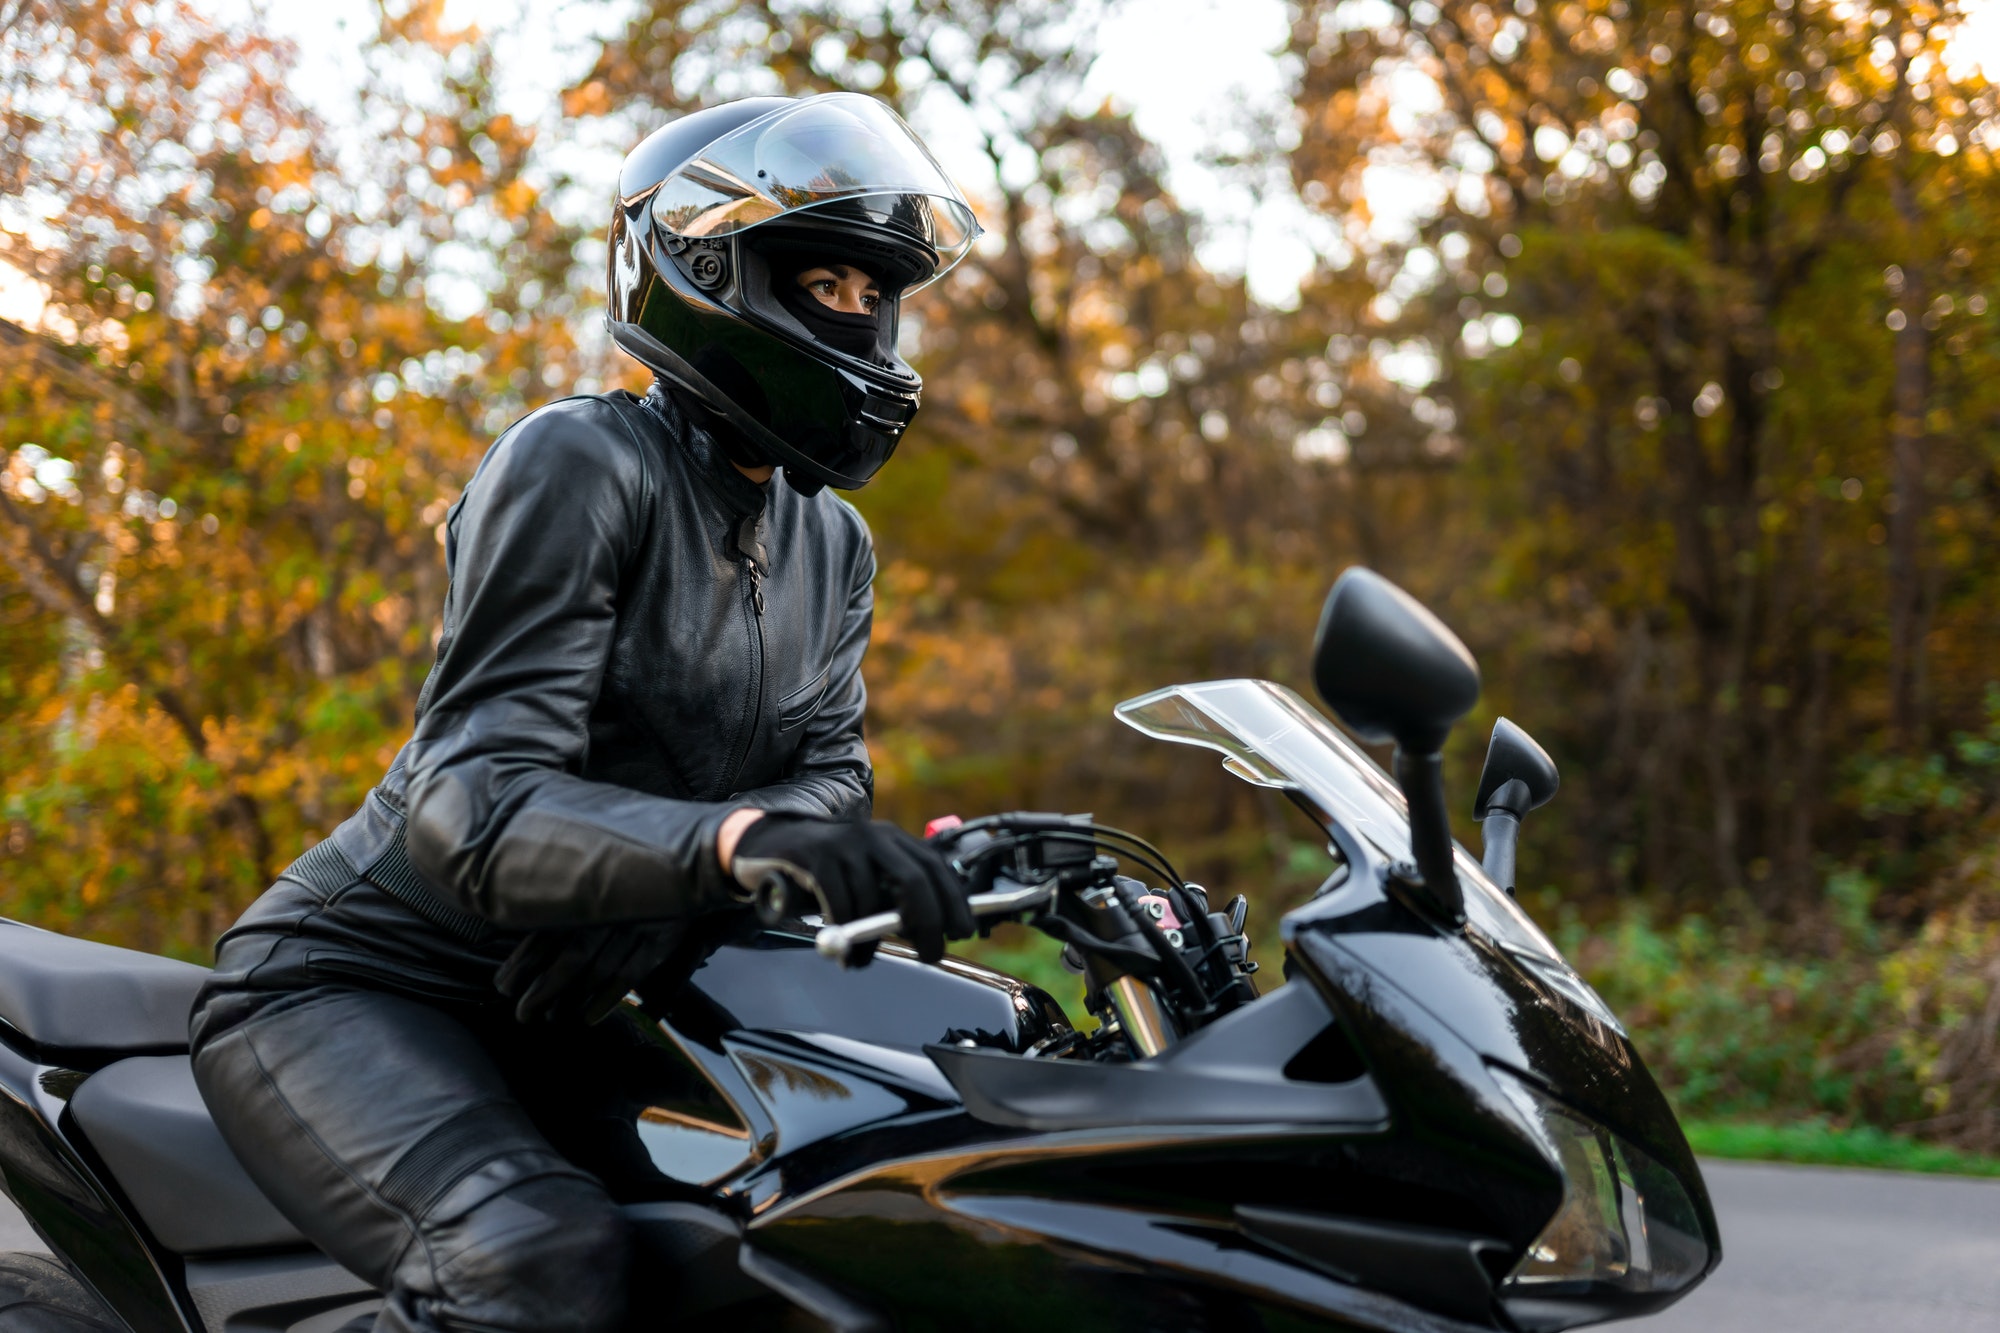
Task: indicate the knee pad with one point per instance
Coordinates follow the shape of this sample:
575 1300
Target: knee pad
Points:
546 1254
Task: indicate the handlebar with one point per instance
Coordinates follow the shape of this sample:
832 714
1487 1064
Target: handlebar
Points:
1061 874
837 942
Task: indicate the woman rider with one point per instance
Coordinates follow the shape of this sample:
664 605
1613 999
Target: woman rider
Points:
646 706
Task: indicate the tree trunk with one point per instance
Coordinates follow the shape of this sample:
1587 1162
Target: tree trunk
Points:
1906 482
1911 402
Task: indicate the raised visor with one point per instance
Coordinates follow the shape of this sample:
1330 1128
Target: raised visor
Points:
82 1003
1230 1073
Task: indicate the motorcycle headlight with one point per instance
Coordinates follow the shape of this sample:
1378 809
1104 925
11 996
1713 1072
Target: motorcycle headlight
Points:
1625 1237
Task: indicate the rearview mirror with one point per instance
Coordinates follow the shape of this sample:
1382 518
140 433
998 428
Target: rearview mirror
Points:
1393 672
1519 776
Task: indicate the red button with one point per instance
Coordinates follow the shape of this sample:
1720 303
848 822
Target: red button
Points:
942 824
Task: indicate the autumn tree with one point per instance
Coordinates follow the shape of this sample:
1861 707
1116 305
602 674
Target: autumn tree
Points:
230 436
1671 398
1701 281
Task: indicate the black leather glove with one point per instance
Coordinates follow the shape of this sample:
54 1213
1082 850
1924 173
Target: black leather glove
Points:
582 974
857 870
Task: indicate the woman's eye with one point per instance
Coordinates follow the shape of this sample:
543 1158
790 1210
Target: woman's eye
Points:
870 301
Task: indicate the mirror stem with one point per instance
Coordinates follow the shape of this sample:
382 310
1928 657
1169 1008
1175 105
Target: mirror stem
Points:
1501 832
1421 776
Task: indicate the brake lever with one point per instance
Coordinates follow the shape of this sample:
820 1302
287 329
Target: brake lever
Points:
837 942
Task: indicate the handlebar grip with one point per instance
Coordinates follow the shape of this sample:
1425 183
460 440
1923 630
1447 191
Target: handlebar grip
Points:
837 942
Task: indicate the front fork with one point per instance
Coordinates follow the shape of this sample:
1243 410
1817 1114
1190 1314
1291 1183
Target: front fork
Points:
1141 1017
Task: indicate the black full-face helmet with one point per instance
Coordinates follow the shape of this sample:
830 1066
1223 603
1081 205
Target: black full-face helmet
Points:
717 215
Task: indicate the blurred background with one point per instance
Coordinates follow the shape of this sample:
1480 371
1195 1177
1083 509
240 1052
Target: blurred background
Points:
1648 341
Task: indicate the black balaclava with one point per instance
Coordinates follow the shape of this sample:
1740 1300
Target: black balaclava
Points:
858 335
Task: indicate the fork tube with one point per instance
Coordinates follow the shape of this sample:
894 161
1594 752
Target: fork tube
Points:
1139 1013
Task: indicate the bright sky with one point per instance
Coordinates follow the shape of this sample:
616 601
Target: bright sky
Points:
1188 95
1192 71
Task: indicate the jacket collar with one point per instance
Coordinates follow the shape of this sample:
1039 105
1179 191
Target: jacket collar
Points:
738 493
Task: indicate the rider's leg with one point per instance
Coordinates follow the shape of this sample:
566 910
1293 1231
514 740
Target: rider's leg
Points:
383 1129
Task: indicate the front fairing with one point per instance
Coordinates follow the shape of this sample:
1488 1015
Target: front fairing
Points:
893 1127
1360 941
1451 1021
1498 983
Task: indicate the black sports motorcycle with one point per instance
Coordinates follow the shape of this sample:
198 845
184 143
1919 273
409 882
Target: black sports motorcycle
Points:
1432 1124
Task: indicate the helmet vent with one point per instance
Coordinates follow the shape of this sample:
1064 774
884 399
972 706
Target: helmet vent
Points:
707 267
890 413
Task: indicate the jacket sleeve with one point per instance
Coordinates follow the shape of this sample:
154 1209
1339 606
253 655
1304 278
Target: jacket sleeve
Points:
829 774
499 821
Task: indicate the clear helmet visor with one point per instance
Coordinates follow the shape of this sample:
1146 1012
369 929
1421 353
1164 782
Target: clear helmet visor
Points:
820 150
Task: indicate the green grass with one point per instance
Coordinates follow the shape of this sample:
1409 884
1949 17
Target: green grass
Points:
1033 957
1817 1143
1811 1139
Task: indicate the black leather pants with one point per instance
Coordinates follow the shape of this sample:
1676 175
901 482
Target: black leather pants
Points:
440 1150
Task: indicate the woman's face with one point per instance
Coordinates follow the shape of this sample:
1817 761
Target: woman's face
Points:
842 287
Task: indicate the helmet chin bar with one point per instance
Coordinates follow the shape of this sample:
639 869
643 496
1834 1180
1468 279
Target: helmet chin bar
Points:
802 473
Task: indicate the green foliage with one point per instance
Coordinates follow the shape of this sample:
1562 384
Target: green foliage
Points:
1739 1029
1854 1027
1962 779
1706 294
1035 959
1817 1142
1678 404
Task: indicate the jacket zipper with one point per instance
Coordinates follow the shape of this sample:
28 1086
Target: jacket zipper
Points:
757 670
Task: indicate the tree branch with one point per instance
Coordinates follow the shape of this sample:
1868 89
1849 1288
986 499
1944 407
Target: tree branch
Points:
82 378
52 580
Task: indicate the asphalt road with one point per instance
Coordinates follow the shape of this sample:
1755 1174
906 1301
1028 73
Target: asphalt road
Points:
1839 1251
1807 1249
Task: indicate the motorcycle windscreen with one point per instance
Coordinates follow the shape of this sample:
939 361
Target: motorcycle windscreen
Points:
820 150
1268 735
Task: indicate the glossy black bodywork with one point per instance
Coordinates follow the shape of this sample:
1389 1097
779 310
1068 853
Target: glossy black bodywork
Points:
877 1147
1109 1196
54 1179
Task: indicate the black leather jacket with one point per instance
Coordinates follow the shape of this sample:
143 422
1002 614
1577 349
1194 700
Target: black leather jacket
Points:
636 640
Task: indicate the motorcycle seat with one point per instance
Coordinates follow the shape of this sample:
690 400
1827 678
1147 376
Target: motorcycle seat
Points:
148 1122
80 1003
